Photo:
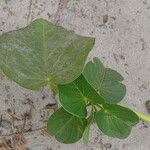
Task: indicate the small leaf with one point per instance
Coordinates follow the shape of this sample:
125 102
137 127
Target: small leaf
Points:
90 120
105 81
65 127
116 121
74 96
86 134
43 53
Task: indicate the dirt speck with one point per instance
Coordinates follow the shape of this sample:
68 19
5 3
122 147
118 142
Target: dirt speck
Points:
49 15
122 57
115 56
105 18
144 44
147 105
108 145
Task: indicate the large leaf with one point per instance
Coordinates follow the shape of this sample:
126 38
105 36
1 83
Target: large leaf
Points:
43 53
116 121
74 96
105 81
65 127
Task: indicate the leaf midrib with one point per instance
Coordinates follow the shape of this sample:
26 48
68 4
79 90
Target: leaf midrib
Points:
119 119
43 47
64 125
80 91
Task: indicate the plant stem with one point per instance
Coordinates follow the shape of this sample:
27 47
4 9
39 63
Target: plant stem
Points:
93 107
53 87
100 106
54 90
142 116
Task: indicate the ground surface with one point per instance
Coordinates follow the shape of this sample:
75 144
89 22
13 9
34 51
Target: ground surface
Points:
122 31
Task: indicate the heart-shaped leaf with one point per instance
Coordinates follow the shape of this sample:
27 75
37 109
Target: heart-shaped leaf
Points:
65 127
43 53
74 96
116 121
105 81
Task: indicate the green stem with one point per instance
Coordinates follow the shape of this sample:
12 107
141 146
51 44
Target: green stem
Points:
100 106
50 82
142 116
93 107
88 104
53 87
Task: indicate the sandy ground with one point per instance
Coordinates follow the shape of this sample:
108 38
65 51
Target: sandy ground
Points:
122 31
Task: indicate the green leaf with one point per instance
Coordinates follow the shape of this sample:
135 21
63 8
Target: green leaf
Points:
90 120
105 81
74 96
65 127
116 121
86 134
43 53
